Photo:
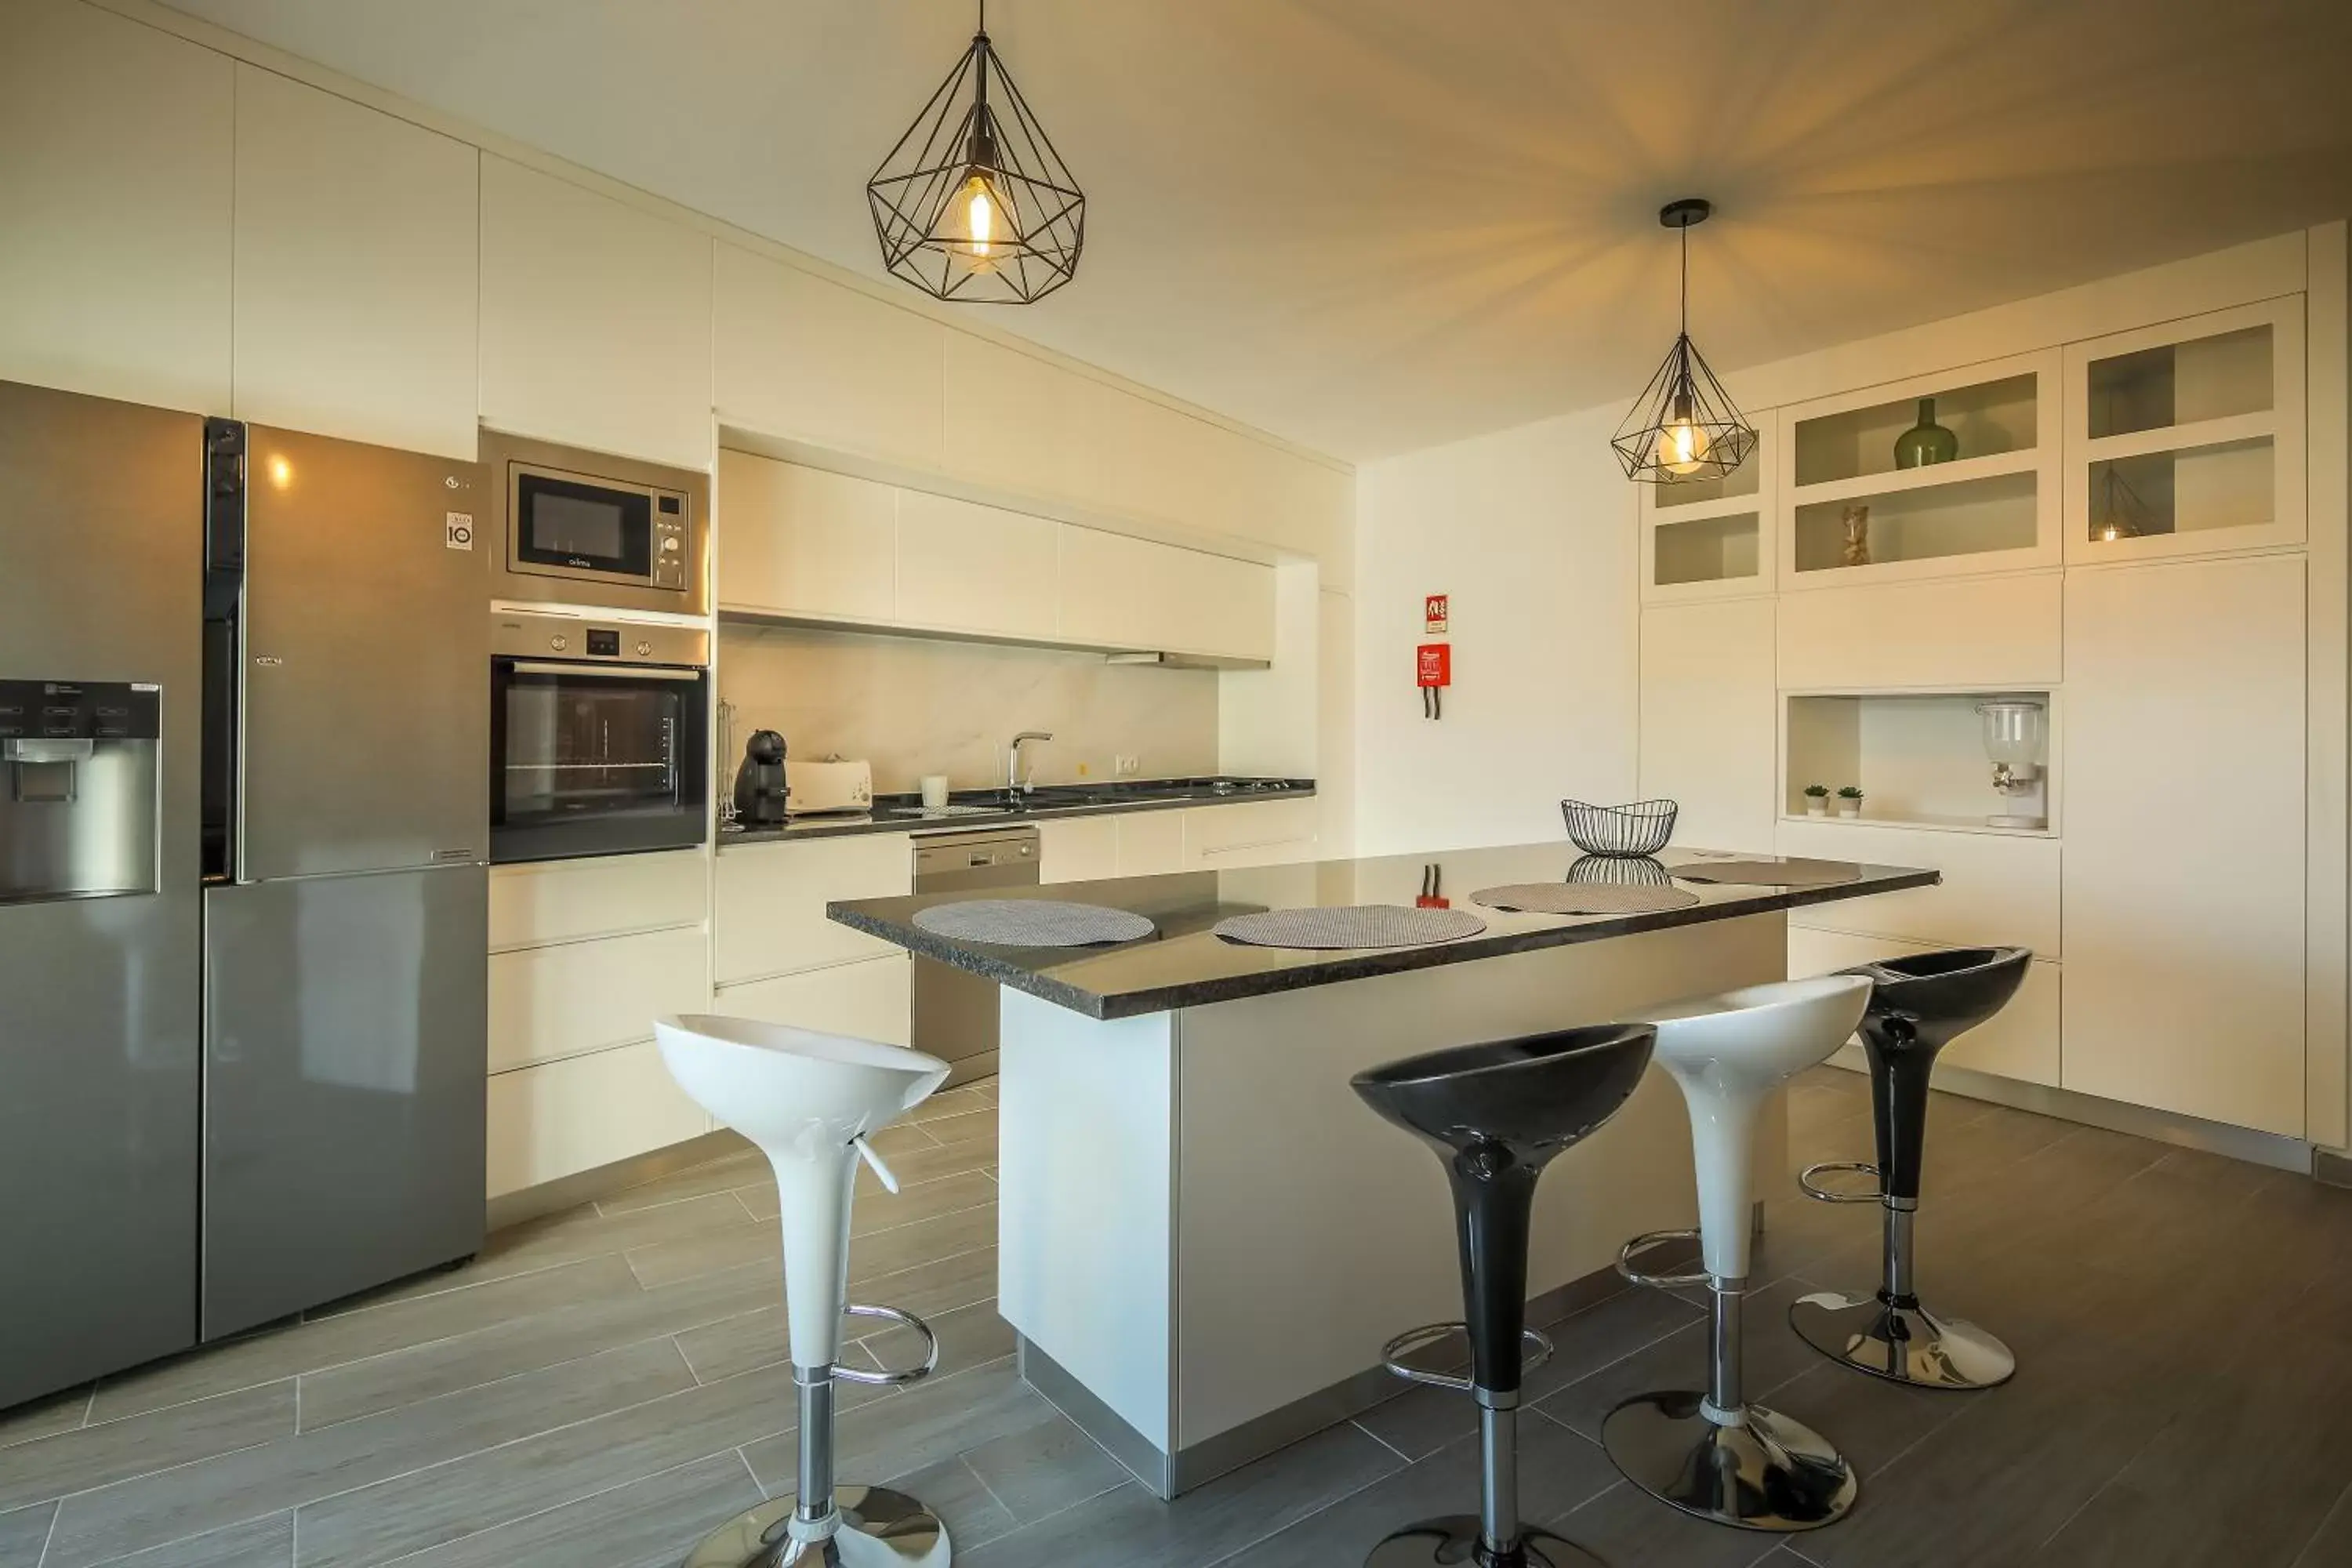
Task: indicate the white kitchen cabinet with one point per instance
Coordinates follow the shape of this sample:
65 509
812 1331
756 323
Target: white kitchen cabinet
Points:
1982 634
769 917
1249 833
1120 592
358 270
2187 437
595 320
117 180
808 359
2185 874
546 901
1009 419
562 1118
575 997
1151 843
970 568
1707 727
868 1000
2021 1041
1077 848
1997 889
794 541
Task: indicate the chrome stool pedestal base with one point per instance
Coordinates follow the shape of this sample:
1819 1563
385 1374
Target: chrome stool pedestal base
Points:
879 1528
1452 1542
1769 1472
1902 1344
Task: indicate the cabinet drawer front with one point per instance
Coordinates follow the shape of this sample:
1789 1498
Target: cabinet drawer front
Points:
1984 632
870 1000
802 542
1078 849
562 1118
1996 889
1151 843
565 900
974 568
1251 832
769 917
2021 1041
580 996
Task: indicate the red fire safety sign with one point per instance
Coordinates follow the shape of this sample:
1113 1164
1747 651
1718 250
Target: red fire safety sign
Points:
1433 614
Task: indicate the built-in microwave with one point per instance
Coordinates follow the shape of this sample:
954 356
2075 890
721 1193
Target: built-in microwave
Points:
586 528
600 739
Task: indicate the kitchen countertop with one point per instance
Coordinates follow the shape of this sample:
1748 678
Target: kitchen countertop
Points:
1183 966
1050 801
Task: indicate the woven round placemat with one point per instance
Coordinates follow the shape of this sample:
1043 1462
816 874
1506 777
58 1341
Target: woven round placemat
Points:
1033 922
1770 873
1352 926
1584 898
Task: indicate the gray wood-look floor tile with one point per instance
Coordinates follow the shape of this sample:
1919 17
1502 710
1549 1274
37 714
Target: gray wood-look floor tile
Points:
2177 1316
951 1102
135 1514
517 1345
1129 1527
46 1417
291 1349
649 1523
1558 1470
113 1451
23 1532
256 1543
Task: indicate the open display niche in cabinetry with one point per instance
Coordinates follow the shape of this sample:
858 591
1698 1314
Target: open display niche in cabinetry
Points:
1711 539
1919 759
1852 511
2187 439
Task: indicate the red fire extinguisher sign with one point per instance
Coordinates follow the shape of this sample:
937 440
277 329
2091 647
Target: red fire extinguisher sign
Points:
1433 614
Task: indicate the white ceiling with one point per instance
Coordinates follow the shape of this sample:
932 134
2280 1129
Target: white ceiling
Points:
1371 225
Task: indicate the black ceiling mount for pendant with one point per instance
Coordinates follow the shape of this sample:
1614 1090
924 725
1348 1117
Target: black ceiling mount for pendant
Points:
1684 427
973 203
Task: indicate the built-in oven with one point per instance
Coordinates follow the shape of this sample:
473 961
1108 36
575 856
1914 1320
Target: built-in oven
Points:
582 528
599 737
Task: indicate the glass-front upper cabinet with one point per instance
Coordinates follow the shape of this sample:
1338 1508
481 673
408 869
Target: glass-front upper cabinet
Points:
2187 437
1712 539
1938 475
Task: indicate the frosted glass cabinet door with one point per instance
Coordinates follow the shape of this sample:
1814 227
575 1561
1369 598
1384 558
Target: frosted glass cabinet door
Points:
2183 871
2187 439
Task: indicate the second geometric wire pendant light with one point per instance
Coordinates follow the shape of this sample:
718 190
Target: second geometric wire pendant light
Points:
1684 427
973 203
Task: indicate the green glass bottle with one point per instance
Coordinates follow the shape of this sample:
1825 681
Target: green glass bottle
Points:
1925 442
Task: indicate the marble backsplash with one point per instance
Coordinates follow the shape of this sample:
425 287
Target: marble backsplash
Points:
912 706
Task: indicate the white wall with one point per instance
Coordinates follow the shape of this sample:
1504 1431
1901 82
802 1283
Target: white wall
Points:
1532 533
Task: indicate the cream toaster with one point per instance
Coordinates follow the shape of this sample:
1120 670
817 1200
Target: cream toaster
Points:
812 789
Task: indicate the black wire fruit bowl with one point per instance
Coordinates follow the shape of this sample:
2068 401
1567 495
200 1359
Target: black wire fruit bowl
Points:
1641 828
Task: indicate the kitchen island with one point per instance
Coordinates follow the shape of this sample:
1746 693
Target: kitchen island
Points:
1205 1239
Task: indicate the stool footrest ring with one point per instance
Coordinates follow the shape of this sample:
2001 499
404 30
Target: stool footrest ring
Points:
1535 1348
1809 1181
904 1320
1643 1243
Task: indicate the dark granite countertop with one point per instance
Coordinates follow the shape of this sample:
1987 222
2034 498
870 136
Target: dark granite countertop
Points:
986 808
1183 966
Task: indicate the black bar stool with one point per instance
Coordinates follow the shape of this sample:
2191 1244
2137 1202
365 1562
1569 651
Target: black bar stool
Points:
1497 1114
1917 1006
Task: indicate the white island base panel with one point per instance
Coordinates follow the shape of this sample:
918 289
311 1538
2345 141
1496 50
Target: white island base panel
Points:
1206 1239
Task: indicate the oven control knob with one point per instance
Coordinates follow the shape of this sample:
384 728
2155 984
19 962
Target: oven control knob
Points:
669 546
559 642
645 649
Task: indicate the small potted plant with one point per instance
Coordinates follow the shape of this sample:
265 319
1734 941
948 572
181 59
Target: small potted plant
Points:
1849 801
1817 800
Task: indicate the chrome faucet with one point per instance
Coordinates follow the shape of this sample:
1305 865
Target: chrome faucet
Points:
1013 784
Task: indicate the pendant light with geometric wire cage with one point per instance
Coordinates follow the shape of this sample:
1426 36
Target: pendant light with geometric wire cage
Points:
1684 427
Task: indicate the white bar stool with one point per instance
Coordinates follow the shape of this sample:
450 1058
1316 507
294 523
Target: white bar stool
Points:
1714 1454
809 1100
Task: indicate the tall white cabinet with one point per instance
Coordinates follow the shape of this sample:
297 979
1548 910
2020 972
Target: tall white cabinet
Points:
2123 537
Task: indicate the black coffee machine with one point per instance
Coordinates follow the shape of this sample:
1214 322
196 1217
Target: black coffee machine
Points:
759 781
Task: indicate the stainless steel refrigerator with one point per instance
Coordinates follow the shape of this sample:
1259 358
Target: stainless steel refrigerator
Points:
244 825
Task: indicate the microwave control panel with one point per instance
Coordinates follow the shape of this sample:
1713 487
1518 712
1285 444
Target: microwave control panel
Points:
669 538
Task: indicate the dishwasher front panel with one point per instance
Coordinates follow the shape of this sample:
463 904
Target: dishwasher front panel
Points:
955 1013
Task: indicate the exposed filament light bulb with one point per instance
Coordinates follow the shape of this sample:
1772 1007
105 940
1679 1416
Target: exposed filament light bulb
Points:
973 217
1682 444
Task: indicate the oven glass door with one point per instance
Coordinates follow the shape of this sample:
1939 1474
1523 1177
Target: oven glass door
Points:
573 526
596 759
